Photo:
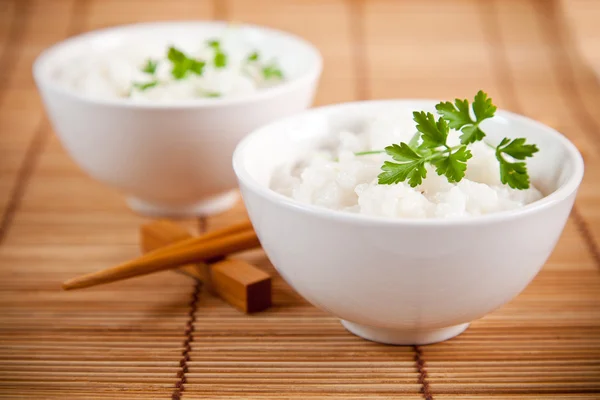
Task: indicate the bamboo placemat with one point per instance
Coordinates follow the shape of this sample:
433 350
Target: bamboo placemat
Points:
162 337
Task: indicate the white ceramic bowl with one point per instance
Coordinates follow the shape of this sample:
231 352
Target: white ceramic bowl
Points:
404 281
171 159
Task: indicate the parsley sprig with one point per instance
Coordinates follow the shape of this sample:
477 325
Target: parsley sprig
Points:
514 174
458 116
184 65
269 71
150 66
272 71
150 69
145 85
220 58
430 146
434 149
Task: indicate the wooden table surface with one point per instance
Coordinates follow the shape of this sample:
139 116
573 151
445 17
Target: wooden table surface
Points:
162 337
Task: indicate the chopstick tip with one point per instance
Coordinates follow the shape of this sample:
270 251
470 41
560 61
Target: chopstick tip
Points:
69 285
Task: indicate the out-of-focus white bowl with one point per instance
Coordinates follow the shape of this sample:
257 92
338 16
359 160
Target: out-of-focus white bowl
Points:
171 159
404 281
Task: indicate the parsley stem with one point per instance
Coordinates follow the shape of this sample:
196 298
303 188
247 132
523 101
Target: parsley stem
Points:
441 153
430 157
489 145
365 153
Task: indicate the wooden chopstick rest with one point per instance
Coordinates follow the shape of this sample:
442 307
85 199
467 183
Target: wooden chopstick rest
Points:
239 283
161 233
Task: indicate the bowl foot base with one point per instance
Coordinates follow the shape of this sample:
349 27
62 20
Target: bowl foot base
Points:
404 336
211 206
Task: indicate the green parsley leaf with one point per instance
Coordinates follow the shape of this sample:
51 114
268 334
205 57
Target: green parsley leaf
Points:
150 66
179 71
514 174
220 60
517 148
411 166
471 134
456 114
145 86
459 117
182 64
176 56
395 173
271 71
434 134
211 94
253 57
197 67
402 153
214 43
454 165
483 107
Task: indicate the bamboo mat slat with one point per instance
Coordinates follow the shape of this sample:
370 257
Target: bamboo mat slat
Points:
330 28
572 89
539 79
103 13
8 11
162 337
436 51
582 17
134 330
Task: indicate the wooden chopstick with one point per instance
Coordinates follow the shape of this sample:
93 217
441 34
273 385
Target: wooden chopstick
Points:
194 241
215 244
241 284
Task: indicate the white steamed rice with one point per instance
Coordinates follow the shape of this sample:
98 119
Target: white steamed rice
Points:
351 184
109 74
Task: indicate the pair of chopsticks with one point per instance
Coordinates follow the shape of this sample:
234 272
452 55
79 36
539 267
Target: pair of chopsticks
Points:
235 238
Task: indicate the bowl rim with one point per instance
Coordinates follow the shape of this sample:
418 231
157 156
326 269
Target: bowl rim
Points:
44 82
563 192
